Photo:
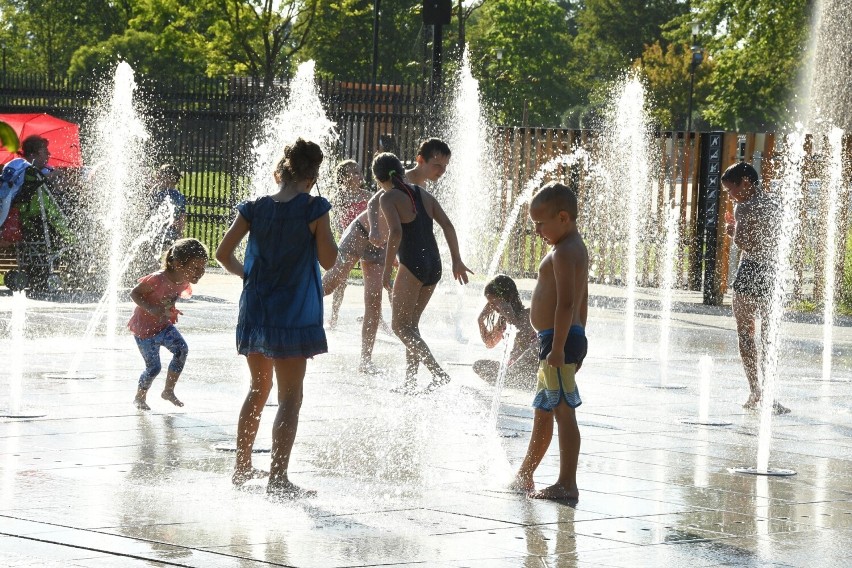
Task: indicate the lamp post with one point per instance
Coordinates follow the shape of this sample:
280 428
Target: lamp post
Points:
697 58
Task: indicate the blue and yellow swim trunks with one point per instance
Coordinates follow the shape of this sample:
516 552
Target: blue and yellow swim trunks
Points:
556 383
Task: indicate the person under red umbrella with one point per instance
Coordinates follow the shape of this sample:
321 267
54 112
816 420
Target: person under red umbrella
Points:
63 137
21 190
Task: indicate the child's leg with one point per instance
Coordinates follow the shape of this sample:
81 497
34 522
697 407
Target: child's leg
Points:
336 302
745 311
409 300
372 311
569 454
540 437
174 342
290 374
150 350
260 368
346 259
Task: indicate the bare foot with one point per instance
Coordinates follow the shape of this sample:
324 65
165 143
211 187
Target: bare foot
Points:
436 382
368 368
141 404
408 387
778 408
241 477
522 485
170 396
557 492
288 490
753 402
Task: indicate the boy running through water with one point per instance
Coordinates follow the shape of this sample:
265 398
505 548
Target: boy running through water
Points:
558 311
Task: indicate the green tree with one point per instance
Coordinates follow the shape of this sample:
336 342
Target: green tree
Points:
618 30
611 34
757 48
351 59
402 40
40 36
258 37
534 72
668 73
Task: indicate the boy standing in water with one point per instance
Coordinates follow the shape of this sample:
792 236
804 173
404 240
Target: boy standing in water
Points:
558 313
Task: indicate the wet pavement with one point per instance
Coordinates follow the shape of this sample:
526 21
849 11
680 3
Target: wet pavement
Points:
421 481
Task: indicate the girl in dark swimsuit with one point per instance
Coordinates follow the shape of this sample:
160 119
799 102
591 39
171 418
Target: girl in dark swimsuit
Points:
410 211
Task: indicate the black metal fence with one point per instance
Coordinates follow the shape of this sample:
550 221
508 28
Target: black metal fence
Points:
207 126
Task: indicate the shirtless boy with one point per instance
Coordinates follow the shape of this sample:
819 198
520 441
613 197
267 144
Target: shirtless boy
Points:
558 313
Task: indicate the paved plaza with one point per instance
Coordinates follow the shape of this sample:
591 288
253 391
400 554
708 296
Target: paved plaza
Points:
406 481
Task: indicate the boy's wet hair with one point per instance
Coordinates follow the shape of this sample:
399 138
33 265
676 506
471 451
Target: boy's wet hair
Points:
387 166
183 251
33 144
557 196
341 172
736 172
504 288
301 161
432 147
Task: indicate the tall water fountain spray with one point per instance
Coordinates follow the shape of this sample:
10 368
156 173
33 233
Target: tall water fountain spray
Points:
667 288
626 157
835 189
826 99
467 191
15 361
118 145
301 114
790 194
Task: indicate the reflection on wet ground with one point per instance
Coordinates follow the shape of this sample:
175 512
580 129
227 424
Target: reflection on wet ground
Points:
405 480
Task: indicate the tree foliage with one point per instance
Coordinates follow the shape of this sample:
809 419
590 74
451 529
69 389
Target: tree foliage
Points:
611 34
403 49
668 75
757 48
40 36
533 78
558 56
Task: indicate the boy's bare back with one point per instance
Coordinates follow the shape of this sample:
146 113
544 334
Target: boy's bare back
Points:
562 285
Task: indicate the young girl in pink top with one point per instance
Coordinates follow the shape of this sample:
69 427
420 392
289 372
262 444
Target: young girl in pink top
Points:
152 323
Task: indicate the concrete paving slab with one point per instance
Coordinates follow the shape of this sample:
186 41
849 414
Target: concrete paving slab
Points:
421 481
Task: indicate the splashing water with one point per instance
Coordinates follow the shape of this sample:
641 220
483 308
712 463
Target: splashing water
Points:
578 156
626 143
509 340
790 178
118 145
300 115
705 370
835 187
17 324
467 189
667 289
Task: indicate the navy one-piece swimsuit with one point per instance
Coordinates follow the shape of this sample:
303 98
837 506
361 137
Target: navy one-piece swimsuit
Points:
418 249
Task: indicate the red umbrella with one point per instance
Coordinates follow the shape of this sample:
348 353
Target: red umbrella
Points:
63 137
